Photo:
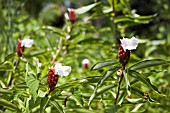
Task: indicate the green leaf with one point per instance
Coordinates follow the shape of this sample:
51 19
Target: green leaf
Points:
126 5
114 109
8 104
148 63
10 56
5 91
100 91
33 85
57 106
139 108
136 100
44 102
100 65
127 83
78 97
7 66
84 9
107 75
85 110
137 91
55 30
144 80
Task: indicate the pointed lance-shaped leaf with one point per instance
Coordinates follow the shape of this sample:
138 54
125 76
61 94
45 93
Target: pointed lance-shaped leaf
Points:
100 65
148 63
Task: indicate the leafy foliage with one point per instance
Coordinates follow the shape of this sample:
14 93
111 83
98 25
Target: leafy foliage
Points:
103 86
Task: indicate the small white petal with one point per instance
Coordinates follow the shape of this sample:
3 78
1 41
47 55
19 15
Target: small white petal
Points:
58 66
27 42
85 61
129 44
62 70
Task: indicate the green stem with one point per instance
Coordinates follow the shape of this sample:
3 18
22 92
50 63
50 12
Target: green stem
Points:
118 92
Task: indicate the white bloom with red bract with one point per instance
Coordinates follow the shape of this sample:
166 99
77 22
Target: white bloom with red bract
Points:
27 42
86 63
129 44
62 70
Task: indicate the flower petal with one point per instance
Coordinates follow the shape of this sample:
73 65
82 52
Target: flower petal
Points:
64 71
85 61
27 42
58 66
129 44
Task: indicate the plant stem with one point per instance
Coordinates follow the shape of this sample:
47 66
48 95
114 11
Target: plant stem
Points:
120 81
60 45
115 25
68 34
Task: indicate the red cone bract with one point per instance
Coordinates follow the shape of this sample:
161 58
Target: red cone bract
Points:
123 56
52 79
19 48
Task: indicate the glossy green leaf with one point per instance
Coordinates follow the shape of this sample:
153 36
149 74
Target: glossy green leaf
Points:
144 80
127 83
139 108
8 104
10 56
84 9
147 63
57 106
44 102
78 97
114 109
33 85
7 66
140 93
5 91
107 75
136 100
100 65
100 91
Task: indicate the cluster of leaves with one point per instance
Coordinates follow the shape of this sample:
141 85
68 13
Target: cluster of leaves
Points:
23 83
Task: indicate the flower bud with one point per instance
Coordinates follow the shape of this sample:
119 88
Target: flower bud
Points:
22 44
86 63
53 74
72 15
52 79
19 48
119 73
126 46
123 56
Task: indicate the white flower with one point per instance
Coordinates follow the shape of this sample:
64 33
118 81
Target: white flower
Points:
129 44
27 42
85 61
62 70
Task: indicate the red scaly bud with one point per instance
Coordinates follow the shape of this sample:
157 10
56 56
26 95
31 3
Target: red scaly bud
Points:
123 56
72 15
52 79
19 48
